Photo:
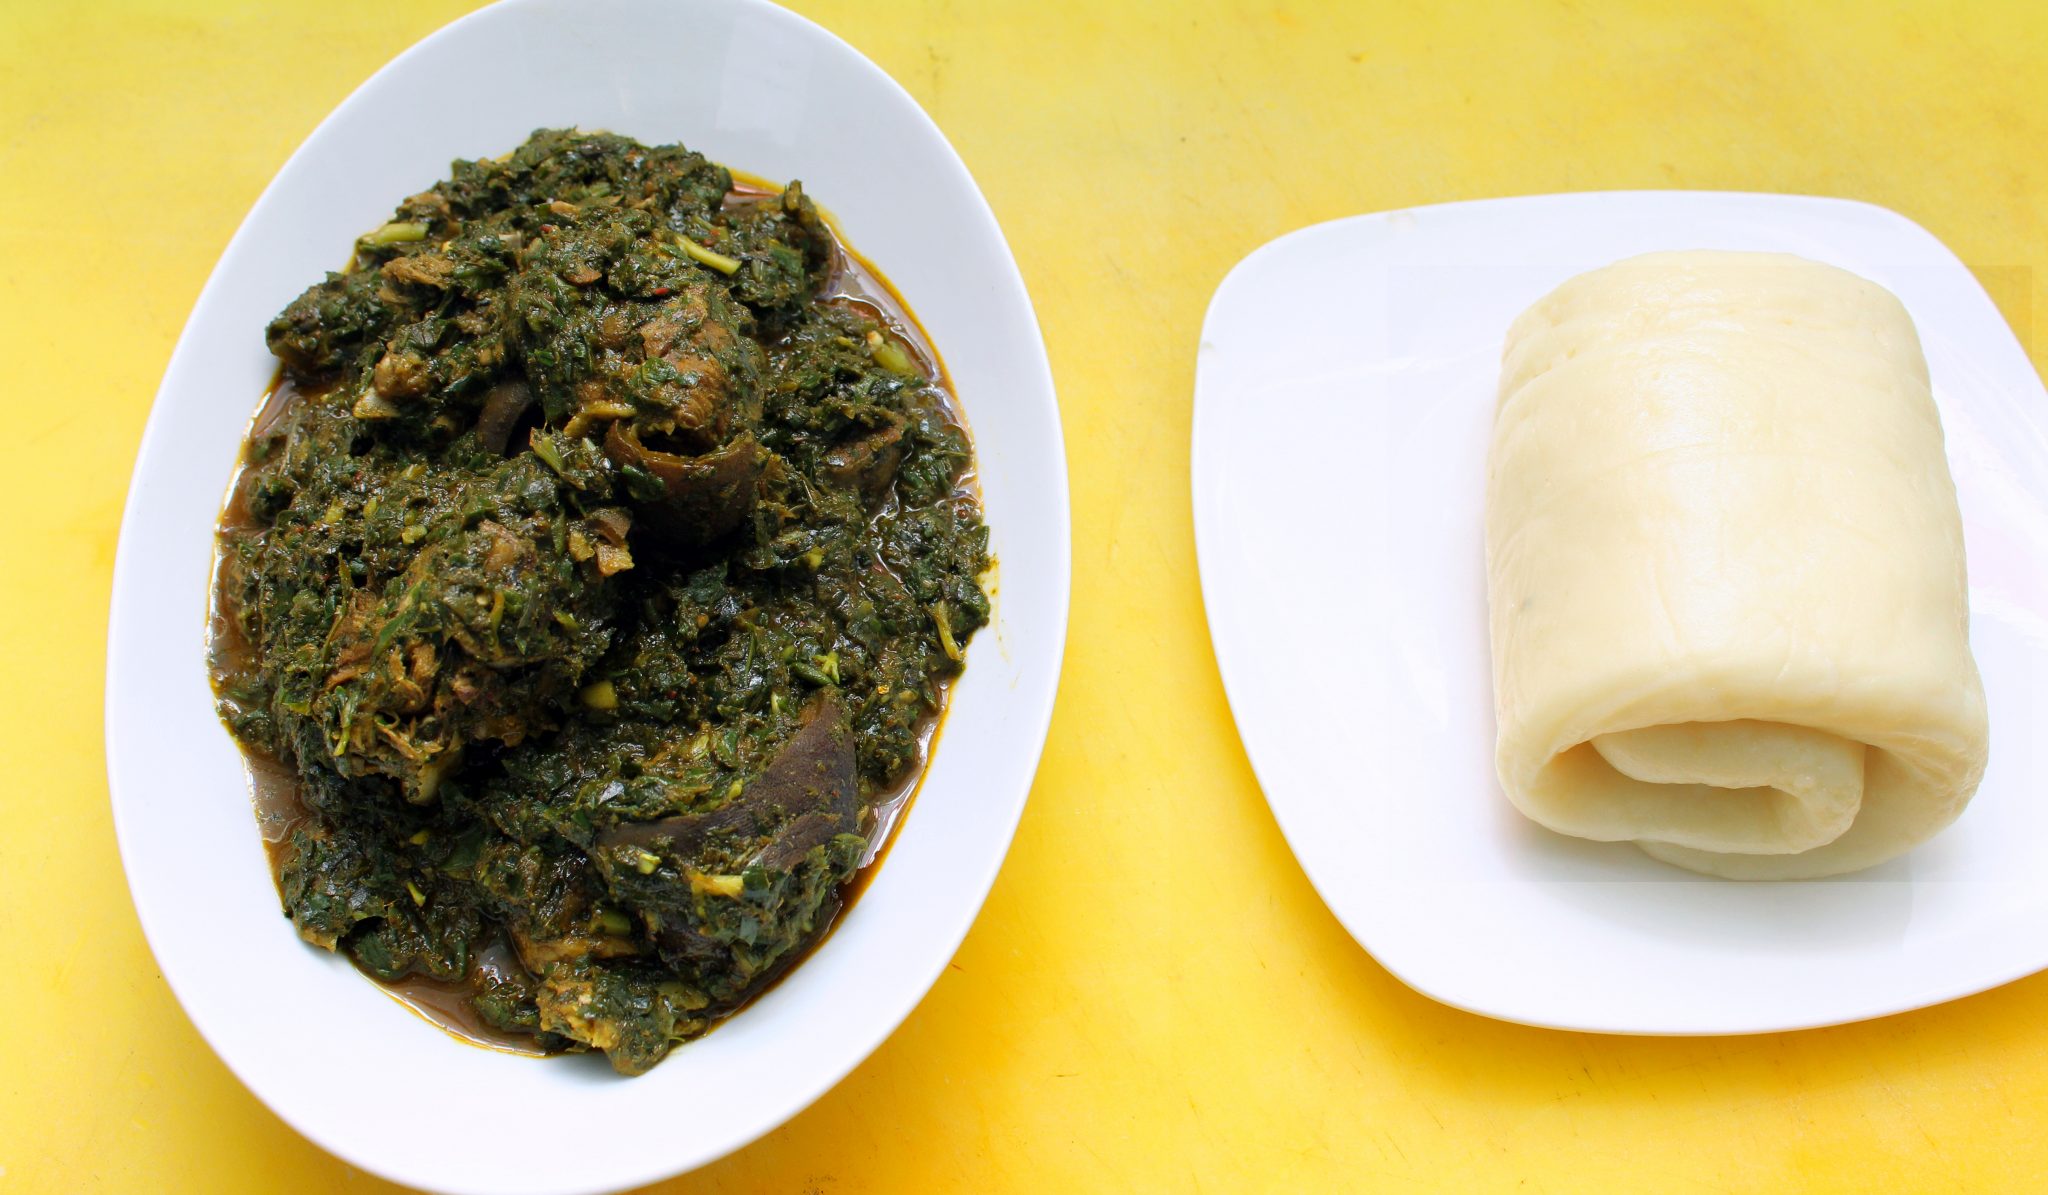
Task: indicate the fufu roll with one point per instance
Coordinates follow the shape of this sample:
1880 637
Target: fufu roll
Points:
1725 582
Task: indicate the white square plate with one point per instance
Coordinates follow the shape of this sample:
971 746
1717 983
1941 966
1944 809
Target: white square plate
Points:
1343 400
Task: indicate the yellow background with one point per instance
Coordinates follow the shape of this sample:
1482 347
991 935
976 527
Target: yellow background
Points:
1153 997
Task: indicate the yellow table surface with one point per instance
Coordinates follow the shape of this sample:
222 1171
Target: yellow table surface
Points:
1153 997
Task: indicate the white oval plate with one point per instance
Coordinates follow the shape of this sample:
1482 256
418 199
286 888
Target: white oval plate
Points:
1343 400
759 89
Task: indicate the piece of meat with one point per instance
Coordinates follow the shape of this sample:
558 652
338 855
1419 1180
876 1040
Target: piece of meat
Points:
807 793
402 373
421 269
808 796
503 406
867 465
699 402
705 497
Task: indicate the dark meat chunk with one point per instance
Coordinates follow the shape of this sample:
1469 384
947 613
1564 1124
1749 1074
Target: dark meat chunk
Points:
737 892
867 465
812 777
695 500
504 406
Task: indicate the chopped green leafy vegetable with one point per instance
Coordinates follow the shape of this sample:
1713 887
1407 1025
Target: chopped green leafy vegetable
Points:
597 567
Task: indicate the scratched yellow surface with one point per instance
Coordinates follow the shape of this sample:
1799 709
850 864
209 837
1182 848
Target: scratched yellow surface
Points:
1153 998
